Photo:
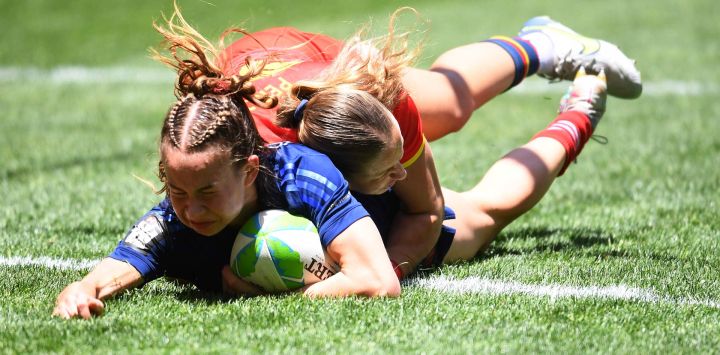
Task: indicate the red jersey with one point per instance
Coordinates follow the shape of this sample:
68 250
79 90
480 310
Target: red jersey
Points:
295 56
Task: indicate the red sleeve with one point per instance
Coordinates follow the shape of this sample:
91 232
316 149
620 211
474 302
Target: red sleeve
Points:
407 115
295 55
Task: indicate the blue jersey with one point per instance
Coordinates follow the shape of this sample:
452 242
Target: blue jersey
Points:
306 183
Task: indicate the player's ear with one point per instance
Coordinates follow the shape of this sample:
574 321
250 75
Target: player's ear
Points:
251 169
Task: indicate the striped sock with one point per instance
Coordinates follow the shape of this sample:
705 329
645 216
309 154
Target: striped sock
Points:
572 129
523 55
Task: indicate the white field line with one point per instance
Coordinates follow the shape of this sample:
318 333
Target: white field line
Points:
46 262
538 86
87 75
138 75
473 285
478 285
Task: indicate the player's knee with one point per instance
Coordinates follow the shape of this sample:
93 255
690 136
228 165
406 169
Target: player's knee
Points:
460 116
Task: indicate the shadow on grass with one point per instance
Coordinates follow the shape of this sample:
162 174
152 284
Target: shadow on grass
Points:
583 241
190 294
539 240
52 166
182 291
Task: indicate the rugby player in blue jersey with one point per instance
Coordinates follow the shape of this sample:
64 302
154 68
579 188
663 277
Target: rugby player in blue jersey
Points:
218 171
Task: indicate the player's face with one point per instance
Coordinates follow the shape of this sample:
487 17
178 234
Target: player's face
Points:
383 171
207 191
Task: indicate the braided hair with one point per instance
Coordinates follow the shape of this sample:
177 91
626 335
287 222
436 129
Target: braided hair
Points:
211 108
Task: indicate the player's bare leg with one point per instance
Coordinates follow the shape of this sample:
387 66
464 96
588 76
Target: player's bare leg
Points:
463 79
455 86
519 180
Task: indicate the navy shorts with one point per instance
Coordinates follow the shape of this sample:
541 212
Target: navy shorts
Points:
382 209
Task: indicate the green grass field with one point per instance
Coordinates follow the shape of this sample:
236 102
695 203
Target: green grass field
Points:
622 256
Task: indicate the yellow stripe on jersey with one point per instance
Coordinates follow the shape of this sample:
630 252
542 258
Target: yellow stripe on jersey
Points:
416 155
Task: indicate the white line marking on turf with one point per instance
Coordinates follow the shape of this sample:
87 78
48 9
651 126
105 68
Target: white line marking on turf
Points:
52 263
475 285
655 88
87 75
497 287
142 75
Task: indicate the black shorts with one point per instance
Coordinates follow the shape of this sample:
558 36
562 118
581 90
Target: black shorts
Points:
382 209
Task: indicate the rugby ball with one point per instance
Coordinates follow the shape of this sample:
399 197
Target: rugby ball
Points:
279 251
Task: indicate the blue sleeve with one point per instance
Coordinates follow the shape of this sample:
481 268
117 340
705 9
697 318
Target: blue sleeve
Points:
315 189
146 244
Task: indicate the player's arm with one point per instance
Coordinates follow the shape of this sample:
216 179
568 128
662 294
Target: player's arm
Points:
416 227
84 298
365 269
135 260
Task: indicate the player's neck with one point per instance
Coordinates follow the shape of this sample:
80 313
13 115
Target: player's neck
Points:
250 207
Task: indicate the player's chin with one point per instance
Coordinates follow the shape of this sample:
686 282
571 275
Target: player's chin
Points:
377 191
207 229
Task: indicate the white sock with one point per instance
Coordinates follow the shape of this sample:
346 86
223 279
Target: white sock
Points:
545 50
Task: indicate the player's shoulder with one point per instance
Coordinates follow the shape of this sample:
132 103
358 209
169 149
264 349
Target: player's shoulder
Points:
163 216
297 153
405 111
293 160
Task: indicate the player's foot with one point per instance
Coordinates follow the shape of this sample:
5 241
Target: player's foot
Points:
570 51
587 94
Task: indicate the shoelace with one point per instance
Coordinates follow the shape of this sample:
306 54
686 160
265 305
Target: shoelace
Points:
600 139
566 67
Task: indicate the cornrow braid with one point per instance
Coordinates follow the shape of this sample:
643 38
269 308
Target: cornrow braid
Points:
177 111
194 124
223 112
211 111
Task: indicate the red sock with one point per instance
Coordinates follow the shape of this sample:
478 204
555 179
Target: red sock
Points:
572 129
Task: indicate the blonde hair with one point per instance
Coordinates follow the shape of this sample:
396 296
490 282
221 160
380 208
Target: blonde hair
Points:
344 116
374 65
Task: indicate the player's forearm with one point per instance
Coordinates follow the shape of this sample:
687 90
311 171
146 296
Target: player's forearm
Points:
416 228
109 277
364 266
412 238
342 285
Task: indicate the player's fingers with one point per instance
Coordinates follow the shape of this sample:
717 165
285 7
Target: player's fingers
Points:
60 311
84 310
231 283
96 307
234 285
71 310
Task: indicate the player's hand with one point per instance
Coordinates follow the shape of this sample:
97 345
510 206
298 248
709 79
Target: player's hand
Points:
238 287
587 94
75 301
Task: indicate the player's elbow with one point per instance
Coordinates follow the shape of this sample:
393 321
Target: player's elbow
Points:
379 283
385 286
437 215
434 216
458 116
391 287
